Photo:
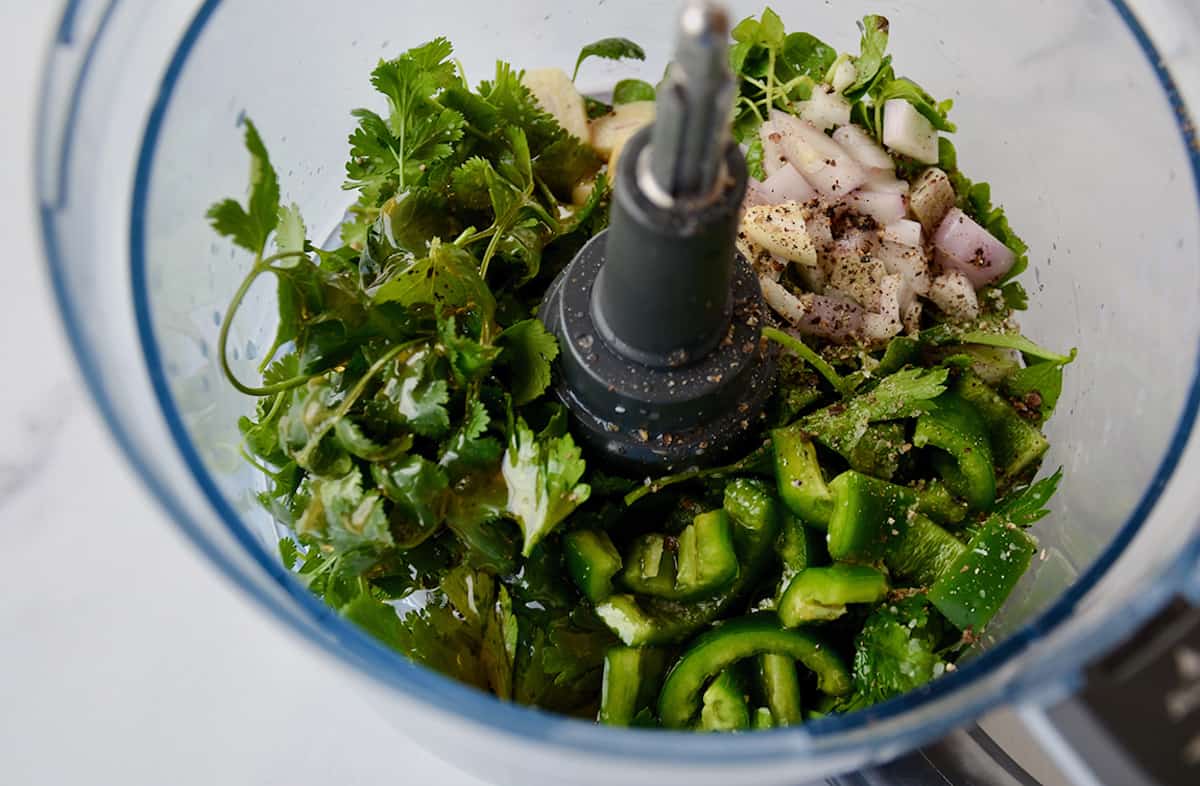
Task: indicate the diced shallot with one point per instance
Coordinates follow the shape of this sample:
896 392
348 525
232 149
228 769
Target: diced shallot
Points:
883 321
787 185
965 246
885 181
907 131
953 294
825 109
863 148
912 317
755 194
780 229
844 75
764 262
884 208
908 263
828 317
905 232
823 162
773 158
931 198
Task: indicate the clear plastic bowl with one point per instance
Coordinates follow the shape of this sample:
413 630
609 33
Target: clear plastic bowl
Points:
1067 109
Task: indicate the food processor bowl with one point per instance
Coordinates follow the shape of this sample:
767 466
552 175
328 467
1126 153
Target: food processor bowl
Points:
1071 110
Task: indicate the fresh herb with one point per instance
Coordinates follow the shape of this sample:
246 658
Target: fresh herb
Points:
905 394
773 69
609 49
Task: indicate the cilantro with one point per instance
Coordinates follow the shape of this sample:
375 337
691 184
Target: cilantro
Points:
1038 385
418 491
448 276
904 394
1015 341
609 49
418 395
896 650
542 476
754 159
528 352
1026 506
250 226
873 58
341 514
773 69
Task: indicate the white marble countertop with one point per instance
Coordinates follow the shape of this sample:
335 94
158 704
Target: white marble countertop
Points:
125 657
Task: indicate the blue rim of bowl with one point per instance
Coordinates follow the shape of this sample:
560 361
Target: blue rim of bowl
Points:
348 643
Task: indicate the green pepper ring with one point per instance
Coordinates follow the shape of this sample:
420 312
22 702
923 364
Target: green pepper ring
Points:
732 641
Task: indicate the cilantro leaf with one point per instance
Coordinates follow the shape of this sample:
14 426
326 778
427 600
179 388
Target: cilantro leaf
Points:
250 226
1015 341
450 633
1027 506
895 651
904 394
529 351
804 54
417 395
419 136
1037 386
470 360
341 514
629 90
754 159
516 108
609 49
418 491
468 450
449 277
542 476
872 58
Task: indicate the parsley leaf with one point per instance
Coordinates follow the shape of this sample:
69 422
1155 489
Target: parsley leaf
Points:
542 476
609 49
250 226
529 351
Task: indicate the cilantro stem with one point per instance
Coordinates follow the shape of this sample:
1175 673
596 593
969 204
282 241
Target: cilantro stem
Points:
806 353
770 78
753 107
695 473
260 266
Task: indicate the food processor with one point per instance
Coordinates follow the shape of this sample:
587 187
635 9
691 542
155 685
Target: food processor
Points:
1075 112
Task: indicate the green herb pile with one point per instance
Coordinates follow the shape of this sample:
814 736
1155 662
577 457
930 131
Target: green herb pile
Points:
438 499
